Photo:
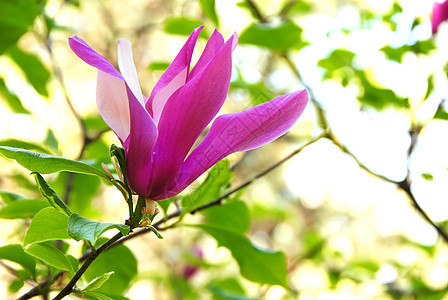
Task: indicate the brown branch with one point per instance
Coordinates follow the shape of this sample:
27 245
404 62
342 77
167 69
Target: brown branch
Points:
219 200
13 272
321 118
256 11
406 187
88 255
93 255
40 288
285 10
403 185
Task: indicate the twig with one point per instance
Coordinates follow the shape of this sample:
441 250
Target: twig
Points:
403 185
40 288
218 200
321 118
120 240
14 273
406 187
60 79
93 255
285 10
256 11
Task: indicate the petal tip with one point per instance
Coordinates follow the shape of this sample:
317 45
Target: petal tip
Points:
234 39
124 41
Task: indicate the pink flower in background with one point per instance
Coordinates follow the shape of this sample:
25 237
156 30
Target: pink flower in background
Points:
158 132
439 14
191 269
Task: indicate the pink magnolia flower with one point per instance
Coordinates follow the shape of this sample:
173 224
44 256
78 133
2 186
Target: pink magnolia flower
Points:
439 14
158 132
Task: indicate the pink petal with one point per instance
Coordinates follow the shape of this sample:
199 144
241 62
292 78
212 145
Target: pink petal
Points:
173 78
242 131
90 56
127 68
112 99
439 14
139 146
214 44
112 102
187 113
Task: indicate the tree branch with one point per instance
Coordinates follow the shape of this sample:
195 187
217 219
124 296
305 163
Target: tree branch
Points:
218 200
256 11
93 255
87 256
404 185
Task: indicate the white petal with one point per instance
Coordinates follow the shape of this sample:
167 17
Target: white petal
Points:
127 68
112 102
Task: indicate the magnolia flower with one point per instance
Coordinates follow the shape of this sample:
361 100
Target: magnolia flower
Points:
158 132
439 14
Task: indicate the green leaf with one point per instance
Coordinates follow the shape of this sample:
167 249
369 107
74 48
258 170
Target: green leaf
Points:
15 285
97 282
424 47
430 87
183 26
46 164
278 37
297 7
378 97
164 205
119 260
208 7
99 296
17 17
95 123
232 216
9 197
80 228
441 112
52 256
73 261
419 47
11 100
23 145
51 141
50 194
427 176
229 284
217 181
93 296
258 265
220 294
395 54
21 209
16 254
155 231
338 59
227 289
158 66
47 224
33 69
96 153
84 189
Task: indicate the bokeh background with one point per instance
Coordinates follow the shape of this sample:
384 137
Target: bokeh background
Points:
352 211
